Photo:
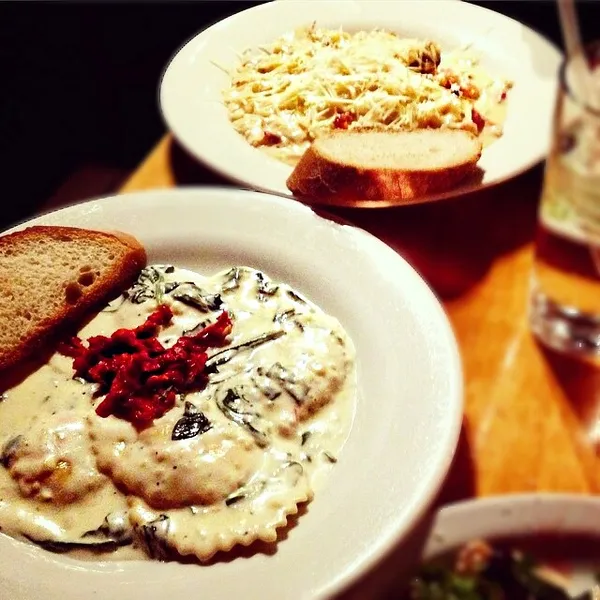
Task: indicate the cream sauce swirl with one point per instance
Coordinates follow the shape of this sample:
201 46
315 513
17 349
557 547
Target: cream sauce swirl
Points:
280 401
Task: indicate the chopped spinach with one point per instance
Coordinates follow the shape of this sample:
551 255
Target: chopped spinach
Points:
293 467
329 457
153 537
251 489
170 286
145 286
115 304
115 529
223 356
233 499
265 287
189 293
232 279
59 546
192 423
265 387
299 325
305 437
151 285
283 316
292 294
114 532
198 328
297 389
9 449
237 408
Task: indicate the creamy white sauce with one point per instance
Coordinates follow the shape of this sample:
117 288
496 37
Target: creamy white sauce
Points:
280 409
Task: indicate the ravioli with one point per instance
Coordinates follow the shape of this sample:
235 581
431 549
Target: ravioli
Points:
52 460
166 474
224 464
255 513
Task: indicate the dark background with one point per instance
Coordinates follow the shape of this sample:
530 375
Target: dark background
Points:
78 83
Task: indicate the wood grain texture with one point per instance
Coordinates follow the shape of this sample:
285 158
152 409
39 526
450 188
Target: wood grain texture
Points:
531 415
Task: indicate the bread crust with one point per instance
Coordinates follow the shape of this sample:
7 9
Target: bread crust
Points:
130 258
319 177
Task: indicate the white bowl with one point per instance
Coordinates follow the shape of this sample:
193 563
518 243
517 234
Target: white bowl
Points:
409 397
191 88
511 517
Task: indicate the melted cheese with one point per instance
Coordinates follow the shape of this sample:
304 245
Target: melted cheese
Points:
280 402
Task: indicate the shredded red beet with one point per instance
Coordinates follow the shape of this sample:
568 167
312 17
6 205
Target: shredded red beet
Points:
139 376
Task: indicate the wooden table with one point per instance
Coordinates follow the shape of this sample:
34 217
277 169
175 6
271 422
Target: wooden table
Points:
530 414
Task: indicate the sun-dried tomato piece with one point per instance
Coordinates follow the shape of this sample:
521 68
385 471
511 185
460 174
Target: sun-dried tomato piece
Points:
343 120
271 139
448 79
478 119
138 375
470 90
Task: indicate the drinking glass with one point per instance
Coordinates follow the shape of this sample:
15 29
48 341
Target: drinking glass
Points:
565 291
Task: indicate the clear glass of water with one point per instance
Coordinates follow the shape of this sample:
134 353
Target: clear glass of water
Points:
565 293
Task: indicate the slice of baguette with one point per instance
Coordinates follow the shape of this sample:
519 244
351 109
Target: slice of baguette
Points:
52 276
353 165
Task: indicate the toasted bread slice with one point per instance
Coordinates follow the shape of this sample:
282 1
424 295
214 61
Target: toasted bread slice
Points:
369 164
52 276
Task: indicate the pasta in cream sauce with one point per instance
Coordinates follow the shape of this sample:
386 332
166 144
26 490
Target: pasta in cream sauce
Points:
225 465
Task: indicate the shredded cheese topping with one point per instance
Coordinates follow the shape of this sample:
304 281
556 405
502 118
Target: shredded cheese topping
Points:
284 94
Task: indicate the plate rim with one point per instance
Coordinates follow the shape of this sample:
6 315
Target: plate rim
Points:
182 139
399 528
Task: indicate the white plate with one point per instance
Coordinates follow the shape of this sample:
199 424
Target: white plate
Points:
191 88
409 405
